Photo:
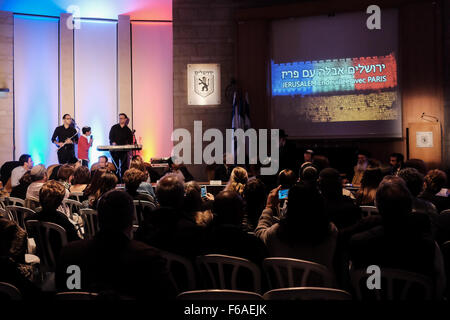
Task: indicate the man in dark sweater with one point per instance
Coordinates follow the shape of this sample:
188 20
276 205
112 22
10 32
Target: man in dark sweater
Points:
120 134
64 137
112 262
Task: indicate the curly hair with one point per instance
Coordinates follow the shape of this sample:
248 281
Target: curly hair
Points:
51 195
132 179
435 180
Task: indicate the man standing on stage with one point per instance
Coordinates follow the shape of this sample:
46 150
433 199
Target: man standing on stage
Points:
121 135
64 137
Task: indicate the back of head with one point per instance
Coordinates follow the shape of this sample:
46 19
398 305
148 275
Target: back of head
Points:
95 181
255 199
371 178
308 172
393 200
417 164
12 240
65 172
170 191
108 181
287 178
321 162
38 172
228 208
132 179
82 175
330 183
305 219
192 199
139 164
413 179
115 211
238 180
435 180
51 195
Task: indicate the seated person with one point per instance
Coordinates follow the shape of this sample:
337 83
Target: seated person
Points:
103 163
226 235
133 179
26 163
114 263
102 182
145 186
169 227
361 166
365 196
305 232
180 170
20 191
435 180
398 242
196 206
81 179
339 208
415 181
254 196
13 246
39 177
51 196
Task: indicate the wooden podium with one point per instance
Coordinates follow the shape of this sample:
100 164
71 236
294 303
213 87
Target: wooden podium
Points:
425 142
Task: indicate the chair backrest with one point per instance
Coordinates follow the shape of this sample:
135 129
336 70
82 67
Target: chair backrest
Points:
19 214
181 270
76 196
219 279
2 203
139 207
368 210
32 203
5 214
288 272
307 293
219 295
90 222
66 296
9 291
395 285
74 207
12 201
40 231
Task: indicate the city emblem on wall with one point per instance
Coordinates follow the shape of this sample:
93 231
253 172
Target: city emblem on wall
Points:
204 83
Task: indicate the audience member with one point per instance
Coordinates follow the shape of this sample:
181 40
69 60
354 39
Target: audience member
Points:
415 182
51 196
435 180
305 232
340 209
39 177
26 163
360 167
80 180
178 169
396 160
226 235
169 227
417 164
14 270
112 264
194 204
133 178
65 175
238 180
20 191
255 195
309 173
145 186
106 181
365 196
398 243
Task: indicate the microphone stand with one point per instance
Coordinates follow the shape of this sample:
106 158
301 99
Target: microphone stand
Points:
135 143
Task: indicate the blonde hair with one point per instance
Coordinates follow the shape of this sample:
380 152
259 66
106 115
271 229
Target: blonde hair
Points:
238 180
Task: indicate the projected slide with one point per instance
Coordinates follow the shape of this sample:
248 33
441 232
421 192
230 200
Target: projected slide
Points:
311 77
332 77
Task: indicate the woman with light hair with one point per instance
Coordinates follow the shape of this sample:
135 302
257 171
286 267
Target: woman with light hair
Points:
238 180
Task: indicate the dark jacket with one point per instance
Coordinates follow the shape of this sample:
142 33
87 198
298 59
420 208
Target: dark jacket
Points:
111 262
